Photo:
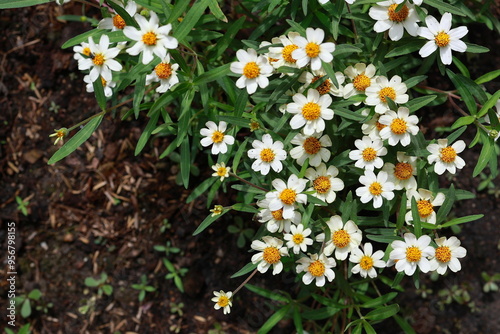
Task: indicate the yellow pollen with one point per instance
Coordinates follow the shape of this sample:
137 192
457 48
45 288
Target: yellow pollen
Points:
311 145
316 268
312 50
86 51
369 154
443 254
104 82
287 53
398 126
288 196
267 155
217 137
361 82
366 263
251 70
413 254
163 70
341 238
322 184
425 208
271 255
448 154
223 301
149 38
298 238
324 88
273 60
60 133
403 171
387 92
442 39
398 16
221 171
311 111
379 125
98 59
254 126
278 214
119 22
375 189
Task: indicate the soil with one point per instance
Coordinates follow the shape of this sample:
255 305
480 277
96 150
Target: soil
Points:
102 210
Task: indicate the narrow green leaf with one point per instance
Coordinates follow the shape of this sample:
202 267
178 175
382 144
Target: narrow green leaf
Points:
208 221
234 120
462 121
216 11
178 9
224 42
192 17
200 189
445 7
26 308
380 300
129 20
267 293
414 80
185 162
319 314
464 90
487 77
245 270
244 208
474 48
4 4
147 133
368 328
417 227
462 220
297 27
274 319
445 209
405 326
406 48
486 152
212 75
419 102
492 101
383 312
297 320
455 135
99 93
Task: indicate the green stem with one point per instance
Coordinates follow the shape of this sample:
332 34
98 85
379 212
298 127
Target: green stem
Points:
247 182
245 282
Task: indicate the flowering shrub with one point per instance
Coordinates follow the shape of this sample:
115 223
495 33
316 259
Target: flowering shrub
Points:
311 111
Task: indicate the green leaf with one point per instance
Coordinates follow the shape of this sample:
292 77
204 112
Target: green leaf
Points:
235 120
297 320
200 189
405 326
244 208
445 209
129 20
192 17
267 293
380 300
464 90
245 270
26 308
407 47
207 222
178 10
419 102
368 328
455 135
108 289
486 153
216 11
224 42
4 4
35 294
274 319
99 93
91 282
487 77
212 75
79 138
464 120
489 104
474 48
462 220
382 313
178 283
185 162
414 80
147 133
445 7
319 314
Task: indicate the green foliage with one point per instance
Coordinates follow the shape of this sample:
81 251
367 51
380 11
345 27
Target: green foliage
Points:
143 288
100 284
175 273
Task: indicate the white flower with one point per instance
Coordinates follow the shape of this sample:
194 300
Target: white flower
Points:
270 253
375 188
403 173
116 22
399 126
107 85
310 112
298 238
366 261
373 127
165 73
80 51
396 22
282 55
412 252
150 38
214 134
274 219
447 254
268 154
445 156
101 61
343 238
312 147
324 182
59 134
326 86
223 300
287 195
369 153
441 36
361 76
394 89
221 170
253 69
312 49
217 210
316 268
426 201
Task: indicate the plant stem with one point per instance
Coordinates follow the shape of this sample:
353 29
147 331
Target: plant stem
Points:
247 182
245 281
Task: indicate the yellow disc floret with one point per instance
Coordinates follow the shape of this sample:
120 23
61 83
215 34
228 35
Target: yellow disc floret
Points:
443 254
119 22
341 238
311 111
86 51
379 125
277 214
425 208
361 82
366 263
149 38
316 268
298 239
375 189
369 154
163 70
322 184
223 301
398 126
448 154
403 171
312 50
399 16
267 155
288 196
271 255
221 171
311 145
287 53
251 70
325 87
387 92
413 254
442 39
98 59
217 137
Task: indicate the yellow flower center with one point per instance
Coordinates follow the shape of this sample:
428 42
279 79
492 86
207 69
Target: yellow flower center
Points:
60 133
425 208
403 171
222 171
366 263
86 51
312 50
119 22
288 196
223 301
287 53
271 255
98 59
387 92
324 88
267 155
379 125
448 154
413 254
251 70
341 238
311 111
311 145
442 39
369 154
361 82
149 38
443 254
254 126
104 82
398 16
375 189
298 238
278 214
163 70
398 126
316 268
322 184
217 137
273 60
